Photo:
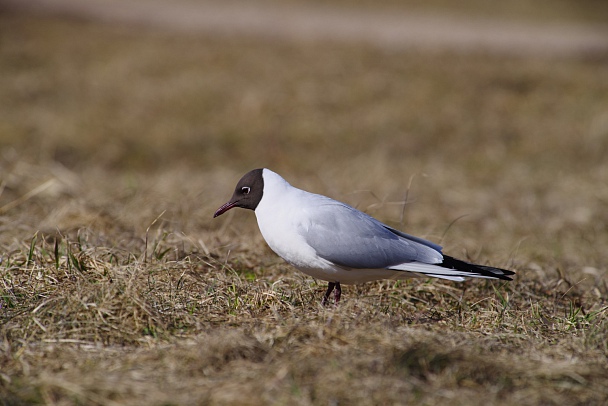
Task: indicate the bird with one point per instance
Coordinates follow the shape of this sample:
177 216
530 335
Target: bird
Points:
334 242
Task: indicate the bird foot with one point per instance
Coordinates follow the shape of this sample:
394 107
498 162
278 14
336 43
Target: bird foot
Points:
337 293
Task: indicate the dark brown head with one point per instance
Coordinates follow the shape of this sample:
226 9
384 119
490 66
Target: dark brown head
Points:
247 194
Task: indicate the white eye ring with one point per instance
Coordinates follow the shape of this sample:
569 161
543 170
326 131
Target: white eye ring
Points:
245 190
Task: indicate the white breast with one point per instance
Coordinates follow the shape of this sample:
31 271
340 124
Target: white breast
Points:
280 216
278 225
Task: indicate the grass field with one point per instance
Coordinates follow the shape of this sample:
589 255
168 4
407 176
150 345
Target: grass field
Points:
118 288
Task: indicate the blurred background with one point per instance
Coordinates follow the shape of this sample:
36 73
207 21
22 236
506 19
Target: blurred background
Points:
481 125
111 112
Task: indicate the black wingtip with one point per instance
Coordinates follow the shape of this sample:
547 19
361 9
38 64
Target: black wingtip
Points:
483 270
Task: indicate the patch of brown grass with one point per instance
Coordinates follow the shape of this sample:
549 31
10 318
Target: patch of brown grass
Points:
116 287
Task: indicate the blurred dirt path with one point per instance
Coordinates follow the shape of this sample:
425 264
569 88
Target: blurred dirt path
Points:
396 30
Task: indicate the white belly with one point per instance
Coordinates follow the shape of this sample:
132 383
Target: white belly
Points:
282 237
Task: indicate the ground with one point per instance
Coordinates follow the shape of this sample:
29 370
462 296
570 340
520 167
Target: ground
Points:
117 287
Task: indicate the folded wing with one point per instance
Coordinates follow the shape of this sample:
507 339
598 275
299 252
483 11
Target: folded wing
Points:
350 238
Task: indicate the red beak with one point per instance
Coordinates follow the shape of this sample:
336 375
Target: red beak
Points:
224 209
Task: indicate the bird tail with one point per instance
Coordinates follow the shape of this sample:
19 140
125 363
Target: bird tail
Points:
478 270
455 270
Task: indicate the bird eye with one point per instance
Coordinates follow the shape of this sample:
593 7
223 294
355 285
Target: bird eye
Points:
245 190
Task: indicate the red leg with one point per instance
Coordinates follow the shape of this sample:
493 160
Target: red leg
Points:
337 293
330 288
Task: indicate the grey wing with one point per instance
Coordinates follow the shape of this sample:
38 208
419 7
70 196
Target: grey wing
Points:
350 238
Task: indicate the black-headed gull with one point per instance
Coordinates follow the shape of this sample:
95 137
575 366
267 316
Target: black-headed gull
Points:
335 242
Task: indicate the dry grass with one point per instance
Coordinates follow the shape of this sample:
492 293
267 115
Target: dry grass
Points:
118 288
